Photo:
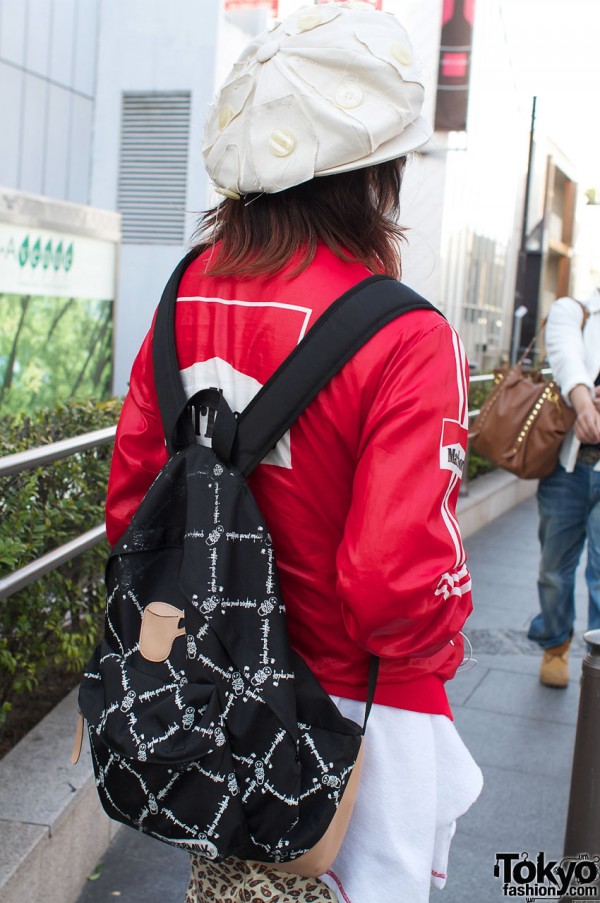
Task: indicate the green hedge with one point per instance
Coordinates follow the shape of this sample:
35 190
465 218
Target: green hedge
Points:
55 621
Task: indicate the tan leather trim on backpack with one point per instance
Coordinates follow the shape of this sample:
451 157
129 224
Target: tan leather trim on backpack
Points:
160 628
321 857
77 740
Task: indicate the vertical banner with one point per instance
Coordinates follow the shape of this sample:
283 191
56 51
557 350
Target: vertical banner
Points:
232 6
455 65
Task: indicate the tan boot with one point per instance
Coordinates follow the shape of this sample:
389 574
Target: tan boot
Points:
555 666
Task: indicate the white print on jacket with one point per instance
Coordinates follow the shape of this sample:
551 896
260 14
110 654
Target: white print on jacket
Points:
238 388
452 458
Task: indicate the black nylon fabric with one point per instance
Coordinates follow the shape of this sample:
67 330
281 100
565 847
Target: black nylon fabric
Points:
230 746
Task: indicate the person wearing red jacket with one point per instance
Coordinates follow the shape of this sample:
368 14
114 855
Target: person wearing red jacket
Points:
360 495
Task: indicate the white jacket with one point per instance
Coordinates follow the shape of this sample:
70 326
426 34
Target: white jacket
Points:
574 356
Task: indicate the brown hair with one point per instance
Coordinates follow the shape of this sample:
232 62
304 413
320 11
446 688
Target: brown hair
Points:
353 213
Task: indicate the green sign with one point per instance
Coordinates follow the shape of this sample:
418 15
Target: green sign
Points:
52 254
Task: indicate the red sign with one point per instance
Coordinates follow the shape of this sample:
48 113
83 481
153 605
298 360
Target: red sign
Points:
454 65
235 5
376 4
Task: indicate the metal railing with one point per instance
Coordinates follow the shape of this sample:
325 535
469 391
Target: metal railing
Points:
583 824
38 457
46 454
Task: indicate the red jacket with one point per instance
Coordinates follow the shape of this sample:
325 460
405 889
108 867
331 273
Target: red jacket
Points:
359 498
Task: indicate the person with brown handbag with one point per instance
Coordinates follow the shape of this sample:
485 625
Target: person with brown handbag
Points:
569 497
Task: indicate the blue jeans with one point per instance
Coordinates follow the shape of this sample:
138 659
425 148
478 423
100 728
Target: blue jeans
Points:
569 509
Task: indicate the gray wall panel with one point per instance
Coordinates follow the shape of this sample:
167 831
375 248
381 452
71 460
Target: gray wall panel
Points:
11 89
33 134
12 31
79 152
63 36
57 142
37 47
84 75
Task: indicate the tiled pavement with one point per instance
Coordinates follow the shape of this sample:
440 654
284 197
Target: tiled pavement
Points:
519 732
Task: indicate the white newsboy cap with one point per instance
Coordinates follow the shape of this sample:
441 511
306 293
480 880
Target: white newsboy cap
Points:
332 88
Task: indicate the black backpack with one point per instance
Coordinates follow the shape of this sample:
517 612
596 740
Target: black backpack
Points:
218 738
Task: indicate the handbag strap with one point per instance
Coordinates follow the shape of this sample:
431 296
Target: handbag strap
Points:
540 334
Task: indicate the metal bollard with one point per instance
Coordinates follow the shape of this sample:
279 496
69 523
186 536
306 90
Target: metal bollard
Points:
582 834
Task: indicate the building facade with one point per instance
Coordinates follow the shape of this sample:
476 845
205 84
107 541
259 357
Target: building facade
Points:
106 102
58 256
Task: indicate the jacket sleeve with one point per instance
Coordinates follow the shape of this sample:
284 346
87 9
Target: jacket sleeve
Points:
564 343
402 577
139 451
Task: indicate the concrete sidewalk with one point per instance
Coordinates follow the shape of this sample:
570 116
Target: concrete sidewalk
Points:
519 732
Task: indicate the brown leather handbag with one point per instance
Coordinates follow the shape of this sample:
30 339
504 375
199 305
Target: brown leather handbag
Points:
523 422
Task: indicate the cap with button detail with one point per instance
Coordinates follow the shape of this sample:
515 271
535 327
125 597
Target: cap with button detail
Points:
329 89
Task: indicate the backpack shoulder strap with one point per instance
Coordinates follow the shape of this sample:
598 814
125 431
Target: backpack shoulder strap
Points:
172 400
339 332
337 335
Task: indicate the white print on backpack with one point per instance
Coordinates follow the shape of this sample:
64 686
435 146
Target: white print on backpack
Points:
209 605
213 583
308 740
188 718
255 537
223 805
265 631
270 586
261 675
217 511
331 780
279 737
239 603
159 691
191 647
202 632
232 784
237 684
128 700
214 535
204 848
267 607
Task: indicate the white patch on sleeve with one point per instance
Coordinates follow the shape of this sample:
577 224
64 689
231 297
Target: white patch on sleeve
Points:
453 446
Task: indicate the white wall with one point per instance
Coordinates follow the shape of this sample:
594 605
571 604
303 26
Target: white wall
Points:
421 208
484 193
586 261
150 45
